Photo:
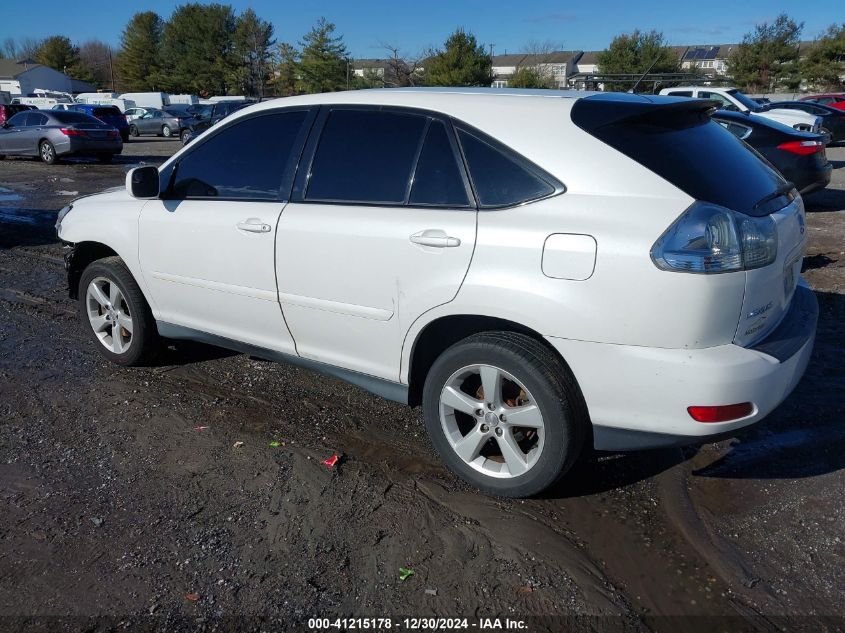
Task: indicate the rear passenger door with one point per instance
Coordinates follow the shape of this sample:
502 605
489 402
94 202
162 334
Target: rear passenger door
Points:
380 228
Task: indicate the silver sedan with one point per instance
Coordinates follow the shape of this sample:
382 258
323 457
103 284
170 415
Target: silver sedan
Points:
53 134
158 122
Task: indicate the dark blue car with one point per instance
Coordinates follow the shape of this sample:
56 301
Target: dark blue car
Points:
107 114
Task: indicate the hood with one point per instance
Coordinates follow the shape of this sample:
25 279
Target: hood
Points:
783 114
111 194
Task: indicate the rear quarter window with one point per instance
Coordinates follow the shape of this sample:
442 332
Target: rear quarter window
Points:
500 176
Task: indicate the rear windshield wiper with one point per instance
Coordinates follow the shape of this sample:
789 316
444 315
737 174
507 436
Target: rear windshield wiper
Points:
784 189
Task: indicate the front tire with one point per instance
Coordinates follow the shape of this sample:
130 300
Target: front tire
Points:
133 131
504 413
47 153
115 313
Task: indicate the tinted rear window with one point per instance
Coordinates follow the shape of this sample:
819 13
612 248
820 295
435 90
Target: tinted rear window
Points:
12 109
72 117
692 152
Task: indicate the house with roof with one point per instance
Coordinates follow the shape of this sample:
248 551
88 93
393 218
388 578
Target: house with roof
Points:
556 65
23 77
707 59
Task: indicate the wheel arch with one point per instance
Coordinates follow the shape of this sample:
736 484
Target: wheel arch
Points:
82 256
445 331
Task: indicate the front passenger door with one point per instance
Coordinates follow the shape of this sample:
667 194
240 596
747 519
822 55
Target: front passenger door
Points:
207 246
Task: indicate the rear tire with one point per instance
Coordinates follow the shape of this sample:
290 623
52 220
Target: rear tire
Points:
166 132
519 441
115 314
47 153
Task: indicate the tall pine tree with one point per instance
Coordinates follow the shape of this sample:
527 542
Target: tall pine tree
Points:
138 63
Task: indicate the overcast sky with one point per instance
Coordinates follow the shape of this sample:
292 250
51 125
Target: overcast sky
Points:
415 26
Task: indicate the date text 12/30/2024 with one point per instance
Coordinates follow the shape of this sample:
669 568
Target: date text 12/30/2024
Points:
416 624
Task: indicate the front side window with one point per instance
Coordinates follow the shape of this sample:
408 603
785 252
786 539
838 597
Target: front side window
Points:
365 157
243 161
500 176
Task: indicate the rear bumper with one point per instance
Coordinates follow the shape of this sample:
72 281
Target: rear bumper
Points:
87 147
638 396
814 180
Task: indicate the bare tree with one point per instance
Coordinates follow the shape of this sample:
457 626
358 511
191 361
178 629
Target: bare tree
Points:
539 64
402 71
96 55
26 48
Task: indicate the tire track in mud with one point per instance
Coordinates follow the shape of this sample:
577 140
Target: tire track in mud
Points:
750 593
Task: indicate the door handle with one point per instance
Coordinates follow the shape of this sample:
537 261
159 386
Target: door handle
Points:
254 225
436 238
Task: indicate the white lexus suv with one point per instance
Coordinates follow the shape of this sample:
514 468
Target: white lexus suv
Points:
543 272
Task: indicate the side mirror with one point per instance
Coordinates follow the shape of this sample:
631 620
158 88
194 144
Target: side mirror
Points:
143 183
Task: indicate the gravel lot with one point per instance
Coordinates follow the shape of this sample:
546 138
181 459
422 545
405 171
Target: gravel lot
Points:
117 512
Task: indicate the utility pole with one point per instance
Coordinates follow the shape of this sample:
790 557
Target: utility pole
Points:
111 70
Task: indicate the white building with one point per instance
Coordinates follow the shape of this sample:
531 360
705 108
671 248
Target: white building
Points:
556 65
20 78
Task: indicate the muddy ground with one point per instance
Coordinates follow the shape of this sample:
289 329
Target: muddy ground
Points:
116 512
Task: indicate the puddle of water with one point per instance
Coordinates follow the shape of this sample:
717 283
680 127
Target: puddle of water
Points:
32 217
7 195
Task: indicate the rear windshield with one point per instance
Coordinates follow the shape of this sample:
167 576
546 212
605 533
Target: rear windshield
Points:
109 111
72 117
696 155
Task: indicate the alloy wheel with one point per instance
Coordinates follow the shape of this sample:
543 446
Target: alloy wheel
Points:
491 421
108 313
47 152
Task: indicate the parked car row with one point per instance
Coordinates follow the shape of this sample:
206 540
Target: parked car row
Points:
790 135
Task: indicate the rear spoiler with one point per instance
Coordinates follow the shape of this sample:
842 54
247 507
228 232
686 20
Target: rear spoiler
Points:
597 111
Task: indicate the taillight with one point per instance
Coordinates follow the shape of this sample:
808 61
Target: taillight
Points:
802 148
721 413
69 131
708 238
111 133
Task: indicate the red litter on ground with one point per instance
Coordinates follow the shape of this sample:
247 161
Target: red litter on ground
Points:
200 428
330 462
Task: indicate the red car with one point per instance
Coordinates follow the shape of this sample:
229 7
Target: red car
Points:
834 99
8 110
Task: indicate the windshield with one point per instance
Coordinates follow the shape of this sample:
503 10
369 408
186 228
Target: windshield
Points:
745 100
